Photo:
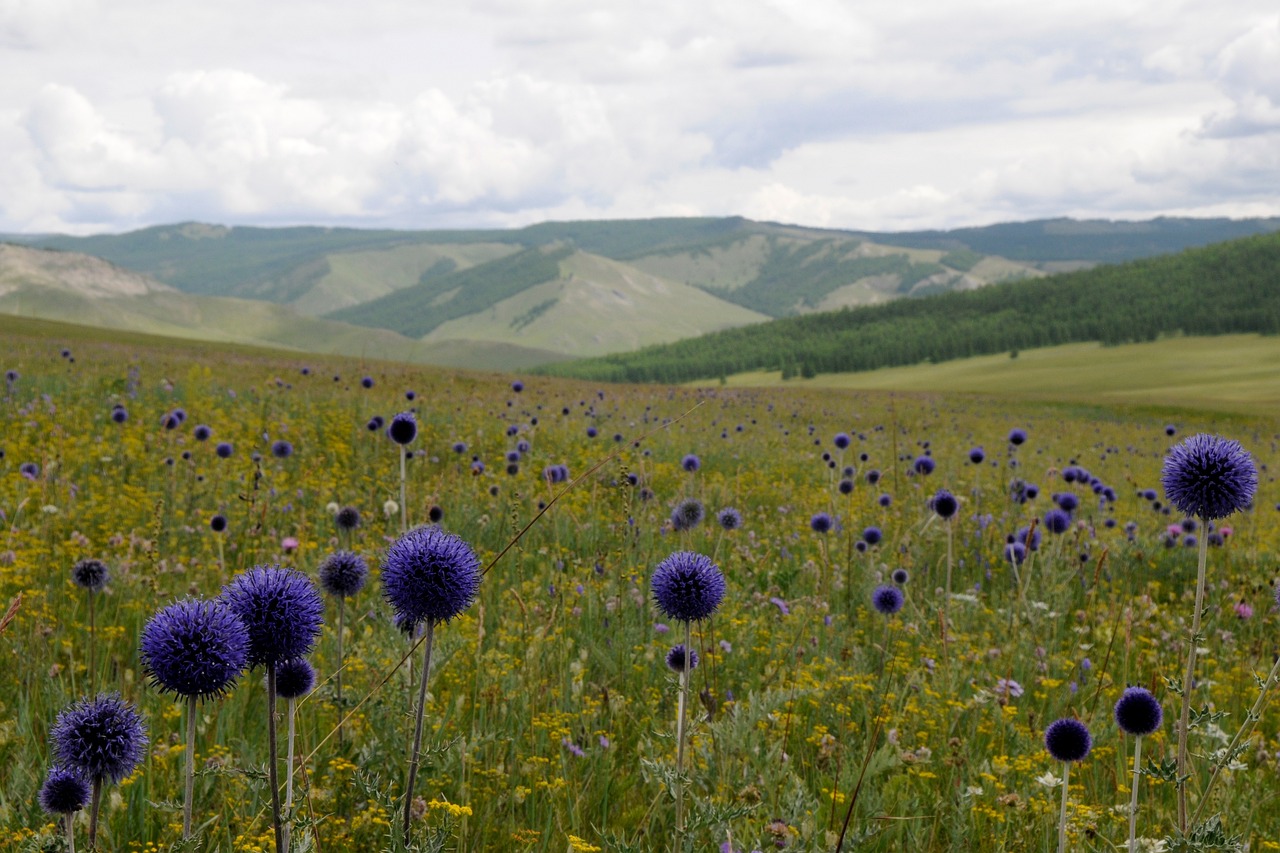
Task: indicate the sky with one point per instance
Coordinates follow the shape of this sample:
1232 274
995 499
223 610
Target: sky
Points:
882 115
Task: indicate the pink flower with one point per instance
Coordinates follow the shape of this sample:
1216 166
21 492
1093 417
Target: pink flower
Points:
289 544
1225 531
1243 610
1175 530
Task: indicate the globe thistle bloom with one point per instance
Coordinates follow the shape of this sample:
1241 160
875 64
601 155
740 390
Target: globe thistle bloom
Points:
729 518
1138 712
1209 476
119 414
517 386
873 476
945 504
90 574
901 576
977 455
687 514
347 518
101 738
64 792
846 486
820 523
375 423
1067 501
841 440
202 432
1017 436
218 523
872 536
1057 521
224 450
281 449
687 586
1015 552
403 428
295 678
195 648
366 382
924 465
887 599
691 463
343 573
280 608
678 661
1068 740
430 575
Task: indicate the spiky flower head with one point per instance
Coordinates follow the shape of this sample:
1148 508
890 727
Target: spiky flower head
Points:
63 792
403 428
1057 521
821 523
924 465
343 573
1017 436
687 586
281 449
347 518
281 609
872 535
729 518
195 648
887 599
691 463
688 514
679 661
295 678
90 574
1138 712
1209 476
1068 739
101 738
945 504
430 575
901 576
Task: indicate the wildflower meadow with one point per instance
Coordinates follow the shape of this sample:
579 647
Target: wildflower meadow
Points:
256 601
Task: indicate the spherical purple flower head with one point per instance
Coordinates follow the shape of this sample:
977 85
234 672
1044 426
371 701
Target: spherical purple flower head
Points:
517 386
90 574
872 535
729 518
281 609
366 382
924 465
101 738
1138 712
281 449
430 575
887 599
63 792
841 440
1068 739
202 432
30 470
1170 430
119 414
11 376
945 504
691 463
295 678
403 428
1015 552
846 487
873 476
224 450
1017 436
435 514
901 576
1057 521
678 661
195 648
1067 501
459 447
977 455
347 518
1209 476
343 573
218 523
820 523
1033 542
375 423
687 515
687 586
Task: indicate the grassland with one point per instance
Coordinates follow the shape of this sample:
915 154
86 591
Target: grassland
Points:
550 713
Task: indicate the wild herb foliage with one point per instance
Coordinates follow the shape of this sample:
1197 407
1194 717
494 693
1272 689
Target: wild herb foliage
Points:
1221 289
551 707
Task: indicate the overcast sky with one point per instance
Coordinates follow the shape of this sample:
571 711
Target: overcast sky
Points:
875 114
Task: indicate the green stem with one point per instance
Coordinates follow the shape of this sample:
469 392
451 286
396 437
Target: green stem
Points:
684 691
417 731
1133 795
1062 815
342 600
288 777
1185 718
191 767
404 507
273 772
71 832
95 804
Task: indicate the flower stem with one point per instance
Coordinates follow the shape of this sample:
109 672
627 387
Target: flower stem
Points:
191 767
1062 815
288 777
342 600
94 804
1133 796
272 771
417 731
71 832
404 507
1185 719
684 692
93 648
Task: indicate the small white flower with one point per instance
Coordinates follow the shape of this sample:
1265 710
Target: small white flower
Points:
1049 780
973 791
390 508
332 507
49 509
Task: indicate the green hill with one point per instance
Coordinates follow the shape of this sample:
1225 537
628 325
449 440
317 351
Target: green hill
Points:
1226 288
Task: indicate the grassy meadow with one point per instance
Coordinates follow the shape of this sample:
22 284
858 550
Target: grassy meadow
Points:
551 713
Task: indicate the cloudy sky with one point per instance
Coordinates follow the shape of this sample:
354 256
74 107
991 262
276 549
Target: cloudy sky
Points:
876 114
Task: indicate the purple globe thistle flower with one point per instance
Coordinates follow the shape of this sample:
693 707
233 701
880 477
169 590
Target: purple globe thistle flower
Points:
1209 476
343 573
1017 436
202 432
1138 712
1068 740
846 487
295 678
170 420
873 476
218 523
459 447
1057 521
403 428
224 450
30 470
729 518
678 661
347 518
119 414
1015 552
592 432
872 535
374 423
90 574
280 608
887 599
195 648
884 501
1067 501
924 465
820 523
101 738
435 514
517 386
281 449
945 504
63 792
366 382
691 463
901 576
841 440
1170 430
430 575
1033 543
687 514
977 455
687 586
